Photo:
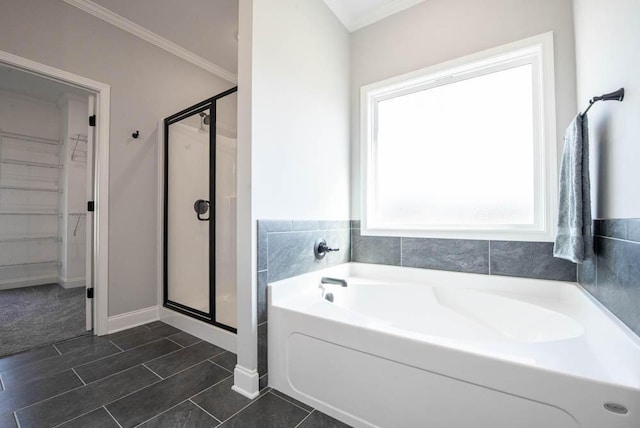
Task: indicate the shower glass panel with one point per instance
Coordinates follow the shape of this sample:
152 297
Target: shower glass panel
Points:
188 254
225 210
200 211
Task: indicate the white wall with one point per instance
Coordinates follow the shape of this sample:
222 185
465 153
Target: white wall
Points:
293 130
300 111
607 57
436 31
147 84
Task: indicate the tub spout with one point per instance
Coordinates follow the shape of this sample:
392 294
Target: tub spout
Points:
336 281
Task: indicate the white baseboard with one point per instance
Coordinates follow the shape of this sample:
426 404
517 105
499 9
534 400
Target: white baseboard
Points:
246 382
72 282
212 334
132 319
27 282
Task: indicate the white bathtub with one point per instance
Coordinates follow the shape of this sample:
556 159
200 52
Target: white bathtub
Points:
402 347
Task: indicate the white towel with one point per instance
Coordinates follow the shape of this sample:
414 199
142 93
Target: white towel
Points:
574 240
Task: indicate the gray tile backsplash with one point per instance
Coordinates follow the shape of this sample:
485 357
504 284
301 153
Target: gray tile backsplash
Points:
614 277
285 249
529 260
510 258
384 250
615 228
457 255
290 254
633 229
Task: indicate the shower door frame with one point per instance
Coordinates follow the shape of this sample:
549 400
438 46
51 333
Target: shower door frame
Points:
210 318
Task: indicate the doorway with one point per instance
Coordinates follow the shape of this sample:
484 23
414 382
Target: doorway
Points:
200 211
53 271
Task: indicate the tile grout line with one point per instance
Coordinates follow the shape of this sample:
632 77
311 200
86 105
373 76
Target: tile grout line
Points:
111 342
97 380
213 362
209 387
489 241
169 339
112 417
144 365
617 239
56 348
289 401
127 350
305 418
196 404
255 400
175 351
159 414
76 373
88 384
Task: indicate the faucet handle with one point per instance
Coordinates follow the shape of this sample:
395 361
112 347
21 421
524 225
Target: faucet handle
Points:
320 249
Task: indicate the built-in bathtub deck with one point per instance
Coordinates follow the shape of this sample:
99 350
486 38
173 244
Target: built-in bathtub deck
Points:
542 352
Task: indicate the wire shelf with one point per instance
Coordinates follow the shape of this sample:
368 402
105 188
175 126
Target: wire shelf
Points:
49 262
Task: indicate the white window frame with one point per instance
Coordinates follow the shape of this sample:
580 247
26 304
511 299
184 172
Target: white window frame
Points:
537 51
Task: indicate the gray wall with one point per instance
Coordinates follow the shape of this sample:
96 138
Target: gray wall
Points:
440 30
147 84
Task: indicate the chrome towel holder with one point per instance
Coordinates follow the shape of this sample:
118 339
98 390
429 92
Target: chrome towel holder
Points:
611 96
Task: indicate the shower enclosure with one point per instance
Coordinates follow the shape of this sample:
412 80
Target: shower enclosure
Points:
200 211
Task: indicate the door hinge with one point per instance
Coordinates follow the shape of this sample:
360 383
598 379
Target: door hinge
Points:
90 293
91 206
92 120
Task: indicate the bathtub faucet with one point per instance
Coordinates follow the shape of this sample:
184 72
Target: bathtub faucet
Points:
335 281
325 280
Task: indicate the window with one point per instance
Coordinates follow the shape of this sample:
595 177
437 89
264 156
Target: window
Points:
466 149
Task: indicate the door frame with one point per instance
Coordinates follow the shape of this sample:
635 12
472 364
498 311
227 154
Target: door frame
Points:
102 93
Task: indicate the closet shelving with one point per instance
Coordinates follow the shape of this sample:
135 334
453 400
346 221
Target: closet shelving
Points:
79 151
29 232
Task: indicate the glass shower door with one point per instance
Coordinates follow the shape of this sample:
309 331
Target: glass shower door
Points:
188 216
200 211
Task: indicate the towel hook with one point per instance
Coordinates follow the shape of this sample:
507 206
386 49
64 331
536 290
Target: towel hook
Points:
611 96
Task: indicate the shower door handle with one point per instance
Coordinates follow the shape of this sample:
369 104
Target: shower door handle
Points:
201 207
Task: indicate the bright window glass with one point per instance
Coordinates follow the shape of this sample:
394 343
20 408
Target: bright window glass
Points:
465 149
458 154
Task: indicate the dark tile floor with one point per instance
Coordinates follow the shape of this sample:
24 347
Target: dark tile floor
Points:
149 376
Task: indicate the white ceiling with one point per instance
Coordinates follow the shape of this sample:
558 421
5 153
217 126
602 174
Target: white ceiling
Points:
355 14
208 28
31 85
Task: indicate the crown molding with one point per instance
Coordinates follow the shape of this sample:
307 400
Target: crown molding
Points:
131 27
